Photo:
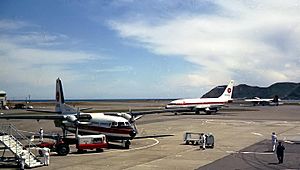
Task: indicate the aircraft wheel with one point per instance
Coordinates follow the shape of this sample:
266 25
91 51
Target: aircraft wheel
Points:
127 144
197 112
62 149
99 150
80 151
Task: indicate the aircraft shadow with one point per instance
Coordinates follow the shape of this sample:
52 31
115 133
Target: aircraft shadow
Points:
8 163
153 136
273 163
193 114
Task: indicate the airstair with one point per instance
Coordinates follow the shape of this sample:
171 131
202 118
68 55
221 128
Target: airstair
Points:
16 142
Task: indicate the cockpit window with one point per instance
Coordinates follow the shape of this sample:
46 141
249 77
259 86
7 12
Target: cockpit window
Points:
105 124
114 124
121 124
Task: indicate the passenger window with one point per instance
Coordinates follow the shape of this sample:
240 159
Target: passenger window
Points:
105 124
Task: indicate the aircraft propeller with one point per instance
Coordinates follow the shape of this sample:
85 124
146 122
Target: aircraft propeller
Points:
133 119
75 119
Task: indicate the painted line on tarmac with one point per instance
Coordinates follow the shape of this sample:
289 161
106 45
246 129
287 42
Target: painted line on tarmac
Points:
258 153
145 147
290 142
133 149
258 134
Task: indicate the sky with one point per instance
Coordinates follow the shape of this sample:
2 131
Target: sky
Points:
122 49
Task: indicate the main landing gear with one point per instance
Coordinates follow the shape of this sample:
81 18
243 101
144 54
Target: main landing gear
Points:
62 149
126 144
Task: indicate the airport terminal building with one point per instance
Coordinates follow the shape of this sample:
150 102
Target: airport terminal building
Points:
2 99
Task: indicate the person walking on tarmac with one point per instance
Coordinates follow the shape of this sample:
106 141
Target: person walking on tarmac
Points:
274 141
41 133
280 152
203 141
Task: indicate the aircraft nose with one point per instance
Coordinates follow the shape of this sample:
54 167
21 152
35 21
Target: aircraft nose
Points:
132 134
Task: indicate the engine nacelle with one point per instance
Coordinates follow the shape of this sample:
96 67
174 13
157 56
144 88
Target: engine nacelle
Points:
125 115
71 118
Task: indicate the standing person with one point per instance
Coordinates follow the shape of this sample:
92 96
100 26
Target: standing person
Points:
46 153
41 133
280 152
22 160
203 141
274 141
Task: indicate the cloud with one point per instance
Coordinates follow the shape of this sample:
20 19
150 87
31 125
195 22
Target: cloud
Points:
40 39
27 65
115 69
12 25
35 60
252 41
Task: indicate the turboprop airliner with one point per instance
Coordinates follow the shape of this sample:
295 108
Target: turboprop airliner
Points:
208 105
116 126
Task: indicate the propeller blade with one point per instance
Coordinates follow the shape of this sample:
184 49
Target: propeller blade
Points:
131 120
77 122
135 128
138 117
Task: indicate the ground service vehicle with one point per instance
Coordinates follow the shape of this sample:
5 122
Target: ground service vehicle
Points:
91 142
197 139
62 145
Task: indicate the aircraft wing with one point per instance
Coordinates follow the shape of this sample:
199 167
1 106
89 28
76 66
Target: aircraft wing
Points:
137 113
42 111
258 100
36 117
208 106
42 117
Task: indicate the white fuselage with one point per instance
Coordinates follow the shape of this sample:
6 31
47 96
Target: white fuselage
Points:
196 103
259 101
206 104
114 127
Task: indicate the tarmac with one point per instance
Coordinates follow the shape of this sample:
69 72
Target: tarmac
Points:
242 141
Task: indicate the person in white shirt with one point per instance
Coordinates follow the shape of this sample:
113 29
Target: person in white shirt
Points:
203 140
46 153
274 141
41 133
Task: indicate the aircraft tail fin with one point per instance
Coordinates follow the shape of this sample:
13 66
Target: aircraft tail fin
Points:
60 105
227 94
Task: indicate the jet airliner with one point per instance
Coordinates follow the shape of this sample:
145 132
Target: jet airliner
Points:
208 105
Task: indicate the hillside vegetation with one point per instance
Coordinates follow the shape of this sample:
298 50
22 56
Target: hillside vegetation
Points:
286 90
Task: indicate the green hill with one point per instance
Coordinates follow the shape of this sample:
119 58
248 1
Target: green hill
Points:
285 90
